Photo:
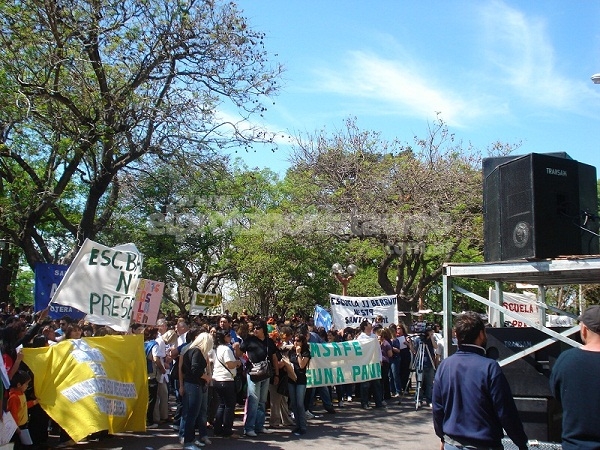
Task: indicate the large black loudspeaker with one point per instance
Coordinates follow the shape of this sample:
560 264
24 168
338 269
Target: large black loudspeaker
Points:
536 205
529 378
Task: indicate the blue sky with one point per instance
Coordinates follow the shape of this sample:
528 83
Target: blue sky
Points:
496 71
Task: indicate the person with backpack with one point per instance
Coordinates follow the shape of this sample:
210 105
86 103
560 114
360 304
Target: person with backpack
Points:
155 370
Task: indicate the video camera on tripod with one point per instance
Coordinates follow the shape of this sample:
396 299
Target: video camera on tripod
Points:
421 352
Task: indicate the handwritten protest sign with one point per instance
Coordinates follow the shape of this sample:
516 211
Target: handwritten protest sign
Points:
147 301
102 282
344 362
351 311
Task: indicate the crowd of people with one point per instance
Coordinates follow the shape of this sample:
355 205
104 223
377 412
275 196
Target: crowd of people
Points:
207 366
214 364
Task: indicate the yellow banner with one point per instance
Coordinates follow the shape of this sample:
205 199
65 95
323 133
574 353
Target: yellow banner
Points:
92 384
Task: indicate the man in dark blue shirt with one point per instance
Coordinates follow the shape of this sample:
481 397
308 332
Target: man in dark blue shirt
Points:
574 383
472 401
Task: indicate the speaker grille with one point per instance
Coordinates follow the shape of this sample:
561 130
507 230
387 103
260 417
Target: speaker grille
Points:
532 208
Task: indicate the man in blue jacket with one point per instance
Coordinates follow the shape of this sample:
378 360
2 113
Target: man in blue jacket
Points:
472 401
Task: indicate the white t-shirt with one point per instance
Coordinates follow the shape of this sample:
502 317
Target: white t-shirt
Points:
162 347
223 355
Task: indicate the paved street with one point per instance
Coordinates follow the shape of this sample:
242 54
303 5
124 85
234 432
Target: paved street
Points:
400 427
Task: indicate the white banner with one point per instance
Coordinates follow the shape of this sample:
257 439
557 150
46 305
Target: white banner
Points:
351 311
524 304
343 362
102 282
554 320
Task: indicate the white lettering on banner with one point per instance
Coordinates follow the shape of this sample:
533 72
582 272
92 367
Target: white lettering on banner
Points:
351 311
343 362
100 387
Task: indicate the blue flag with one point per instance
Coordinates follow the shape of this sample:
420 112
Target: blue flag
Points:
47 279
322 318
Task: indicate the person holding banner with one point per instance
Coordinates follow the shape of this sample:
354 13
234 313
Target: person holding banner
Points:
161 409
299 357
375 385
17 405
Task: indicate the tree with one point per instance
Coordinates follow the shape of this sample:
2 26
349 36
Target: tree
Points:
92 89
419 203
171 217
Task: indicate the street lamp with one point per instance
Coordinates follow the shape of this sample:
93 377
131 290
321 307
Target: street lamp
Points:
344 275
596 78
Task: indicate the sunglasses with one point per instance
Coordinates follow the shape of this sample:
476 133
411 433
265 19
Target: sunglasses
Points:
257 328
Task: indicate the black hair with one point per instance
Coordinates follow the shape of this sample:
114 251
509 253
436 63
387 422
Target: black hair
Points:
220 337
39 341
262 325
303 328
468 325
192 334
20 377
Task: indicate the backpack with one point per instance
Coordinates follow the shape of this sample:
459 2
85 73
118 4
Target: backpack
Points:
148 346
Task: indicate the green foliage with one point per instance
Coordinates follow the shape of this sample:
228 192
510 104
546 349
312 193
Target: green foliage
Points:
92 91
22 288
418 204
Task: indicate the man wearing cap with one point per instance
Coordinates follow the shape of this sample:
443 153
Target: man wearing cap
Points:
575 384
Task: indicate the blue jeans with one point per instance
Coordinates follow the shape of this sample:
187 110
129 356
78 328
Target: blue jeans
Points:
309 398
427 383
193 413
297 393
395 383
256 401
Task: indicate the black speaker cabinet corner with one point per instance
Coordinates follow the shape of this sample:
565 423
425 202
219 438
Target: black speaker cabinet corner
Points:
535 207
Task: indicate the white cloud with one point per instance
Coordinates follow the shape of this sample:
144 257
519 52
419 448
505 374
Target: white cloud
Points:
520 52
401 87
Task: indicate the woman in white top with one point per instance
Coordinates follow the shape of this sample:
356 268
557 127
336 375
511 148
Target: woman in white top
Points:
225 368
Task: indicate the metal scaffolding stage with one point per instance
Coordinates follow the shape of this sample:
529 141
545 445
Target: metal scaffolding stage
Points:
543 273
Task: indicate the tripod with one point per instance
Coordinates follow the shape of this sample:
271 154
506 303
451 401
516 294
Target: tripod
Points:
416 366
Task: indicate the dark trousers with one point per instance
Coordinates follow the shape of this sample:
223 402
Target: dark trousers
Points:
152 395
226 399
178 404
385 380
405 360
38 425
365 392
